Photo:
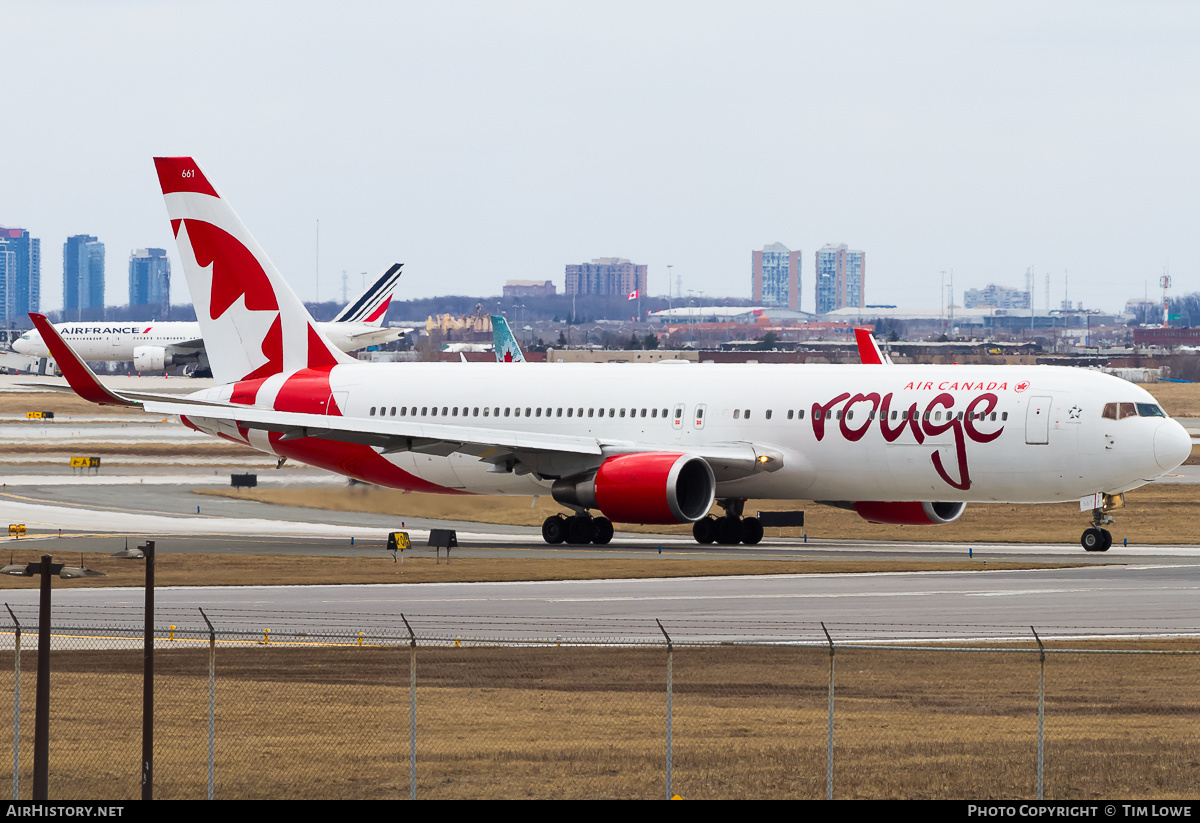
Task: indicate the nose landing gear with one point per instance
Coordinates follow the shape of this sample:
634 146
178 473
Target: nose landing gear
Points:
1097 538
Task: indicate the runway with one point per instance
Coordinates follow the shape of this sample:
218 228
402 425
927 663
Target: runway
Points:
1122 601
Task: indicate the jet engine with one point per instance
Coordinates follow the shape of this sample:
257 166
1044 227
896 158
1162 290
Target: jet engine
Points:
651 487
150 358
908 514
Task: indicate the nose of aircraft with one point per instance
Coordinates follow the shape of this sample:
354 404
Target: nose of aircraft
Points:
21 345
1172 445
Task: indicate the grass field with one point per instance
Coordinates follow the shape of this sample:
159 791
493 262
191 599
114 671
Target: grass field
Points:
581 722
1154 514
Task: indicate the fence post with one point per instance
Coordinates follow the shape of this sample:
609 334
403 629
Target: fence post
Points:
670 690
212 700
16 702
1041 711
829 731
412 710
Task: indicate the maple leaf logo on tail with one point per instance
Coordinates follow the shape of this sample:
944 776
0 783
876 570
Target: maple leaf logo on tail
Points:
254 325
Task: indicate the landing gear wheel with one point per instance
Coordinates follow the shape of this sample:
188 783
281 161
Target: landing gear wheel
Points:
1107 544
580 530
1093 540
752 531
729 531
603 532
554 529
705 529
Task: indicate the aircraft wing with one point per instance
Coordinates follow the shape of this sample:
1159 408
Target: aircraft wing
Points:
549 455
553 455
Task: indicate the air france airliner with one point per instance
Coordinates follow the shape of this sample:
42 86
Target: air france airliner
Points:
641 443
155 346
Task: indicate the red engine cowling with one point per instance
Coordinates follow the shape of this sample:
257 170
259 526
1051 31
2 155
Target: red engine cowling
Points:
909 514
652 487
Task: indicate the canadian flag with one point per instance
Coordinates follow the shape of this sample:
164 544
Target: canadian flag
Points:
633 295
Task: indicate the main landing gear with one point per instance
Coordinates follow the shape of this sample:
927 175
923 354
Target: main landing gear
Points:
578 530
730 529
1097 538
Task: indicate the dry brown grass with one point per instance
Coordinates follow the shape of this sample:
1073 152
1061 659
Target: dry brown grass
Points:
1178 399
207 447
280 570
1154 514
569 722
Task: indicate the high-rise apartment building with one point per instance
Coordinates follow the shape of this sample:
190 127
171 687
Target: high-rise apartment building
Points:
996 297
606 275
775 276
150 280
841 275
83 276
20 276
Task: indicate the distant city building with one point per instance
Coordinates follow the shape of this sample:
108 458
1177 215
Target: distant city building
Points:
995 297
83 275
841 278
608 276
529 288
20 276
775 276
150 280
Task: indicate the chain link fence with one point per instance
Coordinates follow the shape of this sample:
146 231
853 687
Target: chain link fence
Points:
416 712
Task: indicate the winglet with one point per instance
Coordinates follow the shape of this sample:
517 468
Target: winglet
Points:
868 349
82 379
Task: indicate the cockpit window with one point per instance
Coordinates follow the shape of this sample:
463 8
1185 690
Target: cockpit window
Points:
1119 411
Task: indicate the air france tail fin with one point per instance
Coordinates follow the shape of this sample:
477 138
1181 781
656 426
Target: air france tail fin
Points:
252 323
503 341
370 306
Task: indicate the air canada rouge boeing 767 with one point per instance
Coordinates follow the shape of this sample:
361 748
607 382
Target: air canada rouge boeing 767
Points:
639 443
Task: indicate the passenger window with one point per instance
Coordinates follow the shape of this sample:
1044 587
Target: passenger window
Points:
800 414
791 413
444 410
424 411
393 411
737 414
768 414
485 411
643 412
372 411
539 411
747 414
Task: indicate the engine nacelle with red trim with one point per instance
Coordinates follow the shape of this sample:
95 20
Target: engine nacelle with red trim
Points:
909 514
652 487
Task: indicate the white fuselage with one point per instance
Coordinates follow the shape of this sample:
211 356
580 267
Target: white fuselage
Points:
983 433
119 341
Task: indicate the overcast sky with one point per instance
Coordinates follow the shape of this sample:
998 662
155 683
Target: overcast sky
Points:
484 141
